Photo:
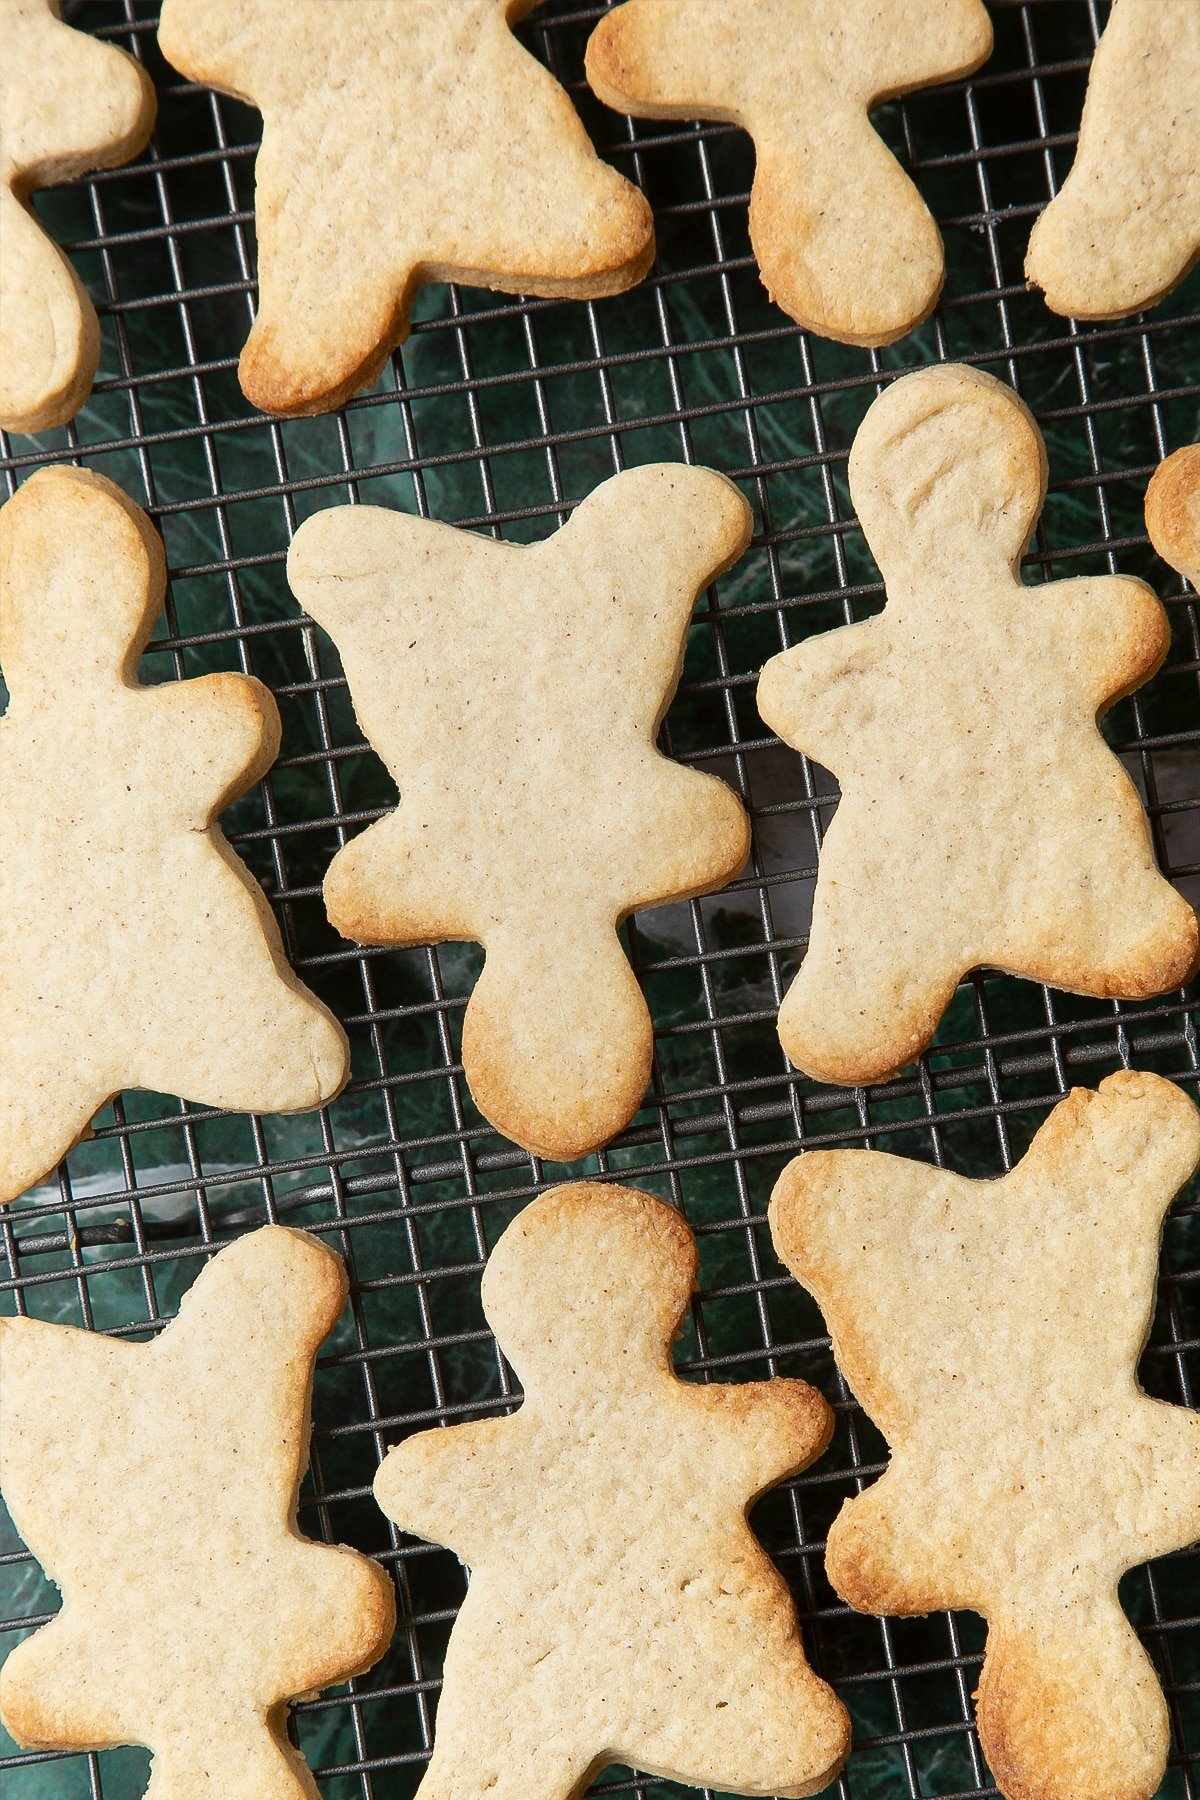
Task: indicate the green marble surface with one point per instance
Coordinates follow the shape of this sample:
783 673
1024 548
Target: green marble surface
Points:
496 414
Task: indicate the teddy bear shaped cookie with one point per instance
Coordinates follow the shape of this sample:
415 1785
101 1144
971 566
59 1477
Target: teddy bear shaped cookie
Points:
514 693
620 1608
983 819
157 1484
404 141
992 1330
67 104
1125 227
137 951
844 242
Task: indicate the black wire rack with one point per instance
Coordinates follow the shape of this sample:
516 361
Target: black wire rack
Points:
500 415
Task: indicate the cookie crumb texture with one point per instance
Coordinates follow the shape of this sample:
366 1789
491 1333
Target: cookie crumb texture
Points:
67 105
982 816
190 1633
137 950
1125 229
620 1608
1026 1303
843 239
404 141
515 694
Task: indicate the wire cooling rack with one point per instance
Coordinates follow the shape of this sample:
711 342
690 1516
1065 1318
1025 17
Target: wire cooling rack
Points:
500 415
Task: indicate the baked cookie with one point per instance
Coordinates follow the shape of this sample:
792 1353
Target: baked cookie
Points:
1173 511
620 1608
137 951
514 694
992 1330
157 1485
983 818
844 241
403 142
67 104
1125 229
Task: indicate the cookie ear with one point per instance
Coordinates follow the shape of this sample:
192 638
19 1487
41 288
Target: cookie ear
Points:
948 474
82 577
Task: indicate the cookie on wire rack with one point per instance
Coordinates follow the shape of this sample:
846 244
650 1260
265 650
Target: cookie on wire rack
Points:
137 949
67 105
515 693
844 241
992 1330
620 1608
404 141
1173 511
1125 227
983 820
157 1484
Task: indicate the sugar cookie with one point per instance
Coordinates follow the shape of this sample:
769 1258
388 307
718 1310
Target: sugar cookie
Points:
983 818
1125 229
1173 511
620 1609
844 241
137 950
157 1485
67 104
404 141
514 694
992 1330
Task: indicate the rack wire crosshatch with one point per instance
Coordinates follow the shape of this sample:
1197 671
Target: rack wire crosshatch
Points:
500 415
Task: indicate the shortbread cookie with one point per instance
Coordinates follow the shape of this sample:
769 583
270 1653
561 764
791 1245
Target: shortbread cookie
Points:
620 1608
137 951
1173 511
844 241
67 104
1125 229
992 1330
404 141
514 694
983 818
157 1485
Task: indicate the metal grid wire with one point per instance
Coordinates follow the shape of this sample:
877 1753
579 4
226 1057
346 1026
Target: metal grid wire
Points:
501 415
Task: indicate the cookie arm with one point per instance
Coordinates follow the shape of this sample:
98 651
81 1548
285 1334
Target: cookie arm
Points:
815 696
1113 633
220 735
451 1486
779 1427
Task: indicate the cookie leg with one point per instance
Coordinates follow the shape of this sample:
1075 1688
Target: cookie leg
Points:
49 335
242 1761
1070 1707
1129 934
45 1109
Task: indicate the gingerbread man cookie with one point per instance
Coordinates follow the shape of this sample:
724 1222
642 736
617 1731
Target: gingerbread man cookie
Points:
514 694
844 241
157 1484
1125 228
961 725
137 950
992 1330
620 1608
404 141
1173 511
67 104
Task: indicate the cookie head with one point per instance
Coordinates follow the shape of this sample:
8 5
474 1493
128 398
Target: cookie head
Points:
948 461
589 1277
81 578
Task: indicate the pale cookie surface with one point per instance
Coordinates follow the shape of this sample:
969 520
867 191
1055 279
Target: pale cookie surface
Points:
992 1329
404 141
67 104
1125 229
961 725
620 1608
137 951
1173 511
514 694
157 1484
844 241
